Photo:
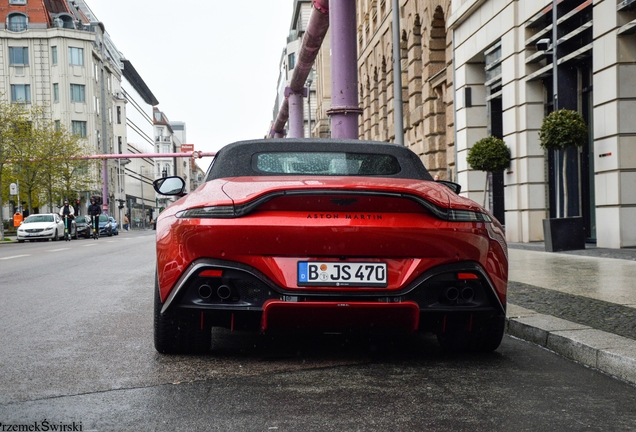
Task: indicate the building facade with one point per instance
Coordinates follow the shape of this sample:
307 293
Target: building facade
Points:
289 58
427 78
57 55
506 60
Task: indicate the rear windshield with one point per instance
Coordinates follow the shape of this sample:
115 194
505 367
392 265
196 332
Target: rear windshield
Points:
326 163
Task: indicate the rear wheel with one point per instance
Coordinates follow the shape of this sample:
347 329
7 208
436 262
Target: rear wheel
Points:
180 332
477 334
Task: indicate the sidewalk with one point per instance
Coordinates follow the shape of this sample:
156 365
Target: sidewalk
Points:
580 304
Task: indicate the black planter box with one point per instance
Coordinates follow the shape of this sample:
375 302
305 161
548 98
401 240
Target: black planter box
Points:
564 234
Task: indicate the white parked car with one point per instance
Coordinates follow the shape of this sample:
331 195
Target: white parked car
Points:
41 227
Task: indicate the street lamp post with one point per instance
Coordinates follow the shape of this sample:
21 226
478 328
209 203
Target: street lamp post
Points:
143 203
120 187
398 114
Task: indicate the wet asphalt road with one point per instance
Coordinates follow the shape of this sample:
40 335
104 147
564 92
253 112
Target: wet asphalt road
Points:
76 346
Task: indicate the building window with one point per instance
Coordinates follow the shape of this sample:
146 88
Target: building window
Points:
118 115
18 56
76 56
20 93
17 22
54 55
56 92
120 143
78 128
58 126
18 2
78 93
97 105
291 61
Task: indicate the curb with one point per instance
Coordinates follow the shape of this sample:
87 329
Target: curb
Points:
609 353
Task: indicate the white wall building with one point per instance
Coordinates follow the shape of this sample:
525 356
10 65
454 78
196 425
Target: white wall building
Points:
504 86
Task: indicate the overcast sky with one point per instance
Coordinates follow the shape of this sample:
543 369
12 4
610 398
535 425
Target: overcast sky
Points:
211 63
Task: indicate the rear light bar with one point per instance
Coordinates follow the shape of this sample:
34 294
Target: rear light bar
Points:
232 211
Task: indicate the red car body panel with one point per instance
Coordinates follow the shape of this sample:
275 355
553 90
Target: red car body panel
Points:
423 241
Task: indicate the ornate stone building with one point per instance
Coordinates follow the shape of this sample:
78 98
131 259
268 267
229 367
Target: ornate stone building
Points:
427 78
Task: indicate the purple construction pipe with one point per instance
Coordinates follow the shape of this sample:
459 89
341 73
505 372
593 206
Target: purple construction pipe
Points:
312 40
344 110
296 115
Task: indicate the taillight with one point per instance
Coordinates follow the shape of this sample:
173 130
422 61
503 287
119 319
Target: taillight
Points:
211 273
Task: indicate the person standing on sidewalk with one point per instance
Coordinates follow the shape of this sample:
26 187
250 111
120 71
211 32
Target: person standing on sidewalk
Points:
126 221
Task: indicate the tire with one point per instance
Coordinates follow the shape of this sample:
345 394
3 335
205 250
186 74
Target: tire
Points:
179 332
485 334
20 241
55 236
75 236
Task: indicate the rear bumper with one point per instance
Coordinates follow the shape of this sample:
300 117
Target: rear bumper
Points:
235 295
37 236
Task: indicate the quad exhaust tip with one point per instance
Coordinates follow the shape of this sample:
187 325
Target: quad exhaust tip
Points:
205 291
224 292
454 295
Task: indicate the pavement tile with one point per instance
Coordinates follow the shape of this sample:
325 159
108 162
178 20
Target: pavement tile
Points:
584 345
620 361
514 311
536 328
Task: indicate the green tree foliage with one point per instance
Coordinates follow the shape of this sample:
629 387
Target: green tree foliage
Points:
44 160
489 154
561 130
10 115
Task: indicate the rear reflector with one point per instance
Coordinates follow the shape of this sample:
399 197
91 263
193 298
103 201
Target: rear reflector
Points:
465 276
211 273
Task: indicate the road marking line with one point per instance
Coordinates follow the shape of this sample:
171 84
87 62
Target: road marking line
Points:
57 250
89 244
15 256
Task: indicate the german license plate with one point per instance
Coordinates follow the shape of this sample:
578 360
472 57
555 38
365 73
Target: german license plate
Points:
314 273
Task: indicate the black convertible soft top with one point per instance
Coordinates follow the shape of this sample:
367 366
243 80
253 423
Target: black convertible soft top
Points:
236 159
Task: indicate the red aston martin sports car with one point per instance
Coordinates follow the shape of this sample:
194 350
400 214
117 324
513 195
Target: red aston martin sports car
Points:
310 235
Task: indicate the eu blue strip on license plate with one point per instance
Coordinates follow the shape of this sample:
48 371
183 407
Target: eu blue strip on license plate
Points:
319 273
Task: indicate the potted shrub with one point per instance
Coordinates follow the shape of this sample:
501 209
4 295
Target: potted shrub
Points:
490 154
561 130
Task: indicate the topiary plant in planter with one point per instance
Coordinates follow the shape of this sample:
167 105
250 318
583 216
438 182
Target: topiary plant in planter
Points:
490 154
561 130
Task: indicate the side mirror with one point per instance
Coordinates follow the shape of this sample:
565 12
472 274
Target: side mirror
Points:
455 187
171 186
